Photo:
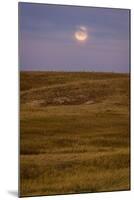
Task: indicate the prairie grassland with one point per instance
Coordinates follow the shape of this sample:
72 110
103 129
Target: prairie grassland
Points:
74 132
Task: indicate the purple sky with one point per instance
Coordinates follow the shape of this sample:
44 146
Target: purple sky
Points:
46 38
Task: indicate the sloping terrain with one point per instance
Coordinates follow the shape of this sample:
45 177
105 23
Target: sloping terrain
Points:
74 132
74 90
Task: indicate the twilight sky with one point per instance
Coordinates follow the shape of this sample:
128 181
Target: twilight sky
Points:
47 38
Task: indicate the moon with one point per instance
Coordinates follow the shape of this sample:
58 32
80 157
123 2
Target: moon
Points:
81 34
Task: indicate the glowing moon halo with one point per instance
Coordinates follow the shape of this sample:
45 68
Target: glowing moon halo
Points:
81 34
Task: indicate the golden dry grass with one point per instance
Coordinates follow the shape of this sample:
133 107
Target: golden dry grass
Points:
74 132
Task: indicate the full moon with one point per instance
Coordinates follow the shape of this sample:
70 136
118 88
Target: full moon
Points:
81 34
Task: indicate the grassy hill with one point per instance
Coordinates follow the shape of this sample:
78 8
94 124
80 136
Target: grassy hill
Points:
74 132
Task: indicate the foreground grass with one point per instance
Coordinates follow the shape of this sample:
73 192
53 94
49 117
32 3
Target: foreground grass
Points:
74 133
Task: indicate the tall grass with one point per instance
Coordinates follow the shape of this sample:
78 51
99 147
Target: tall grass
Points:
74 132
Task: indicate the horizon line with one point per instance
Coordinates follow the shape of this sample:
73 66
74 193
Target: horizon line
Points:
80 71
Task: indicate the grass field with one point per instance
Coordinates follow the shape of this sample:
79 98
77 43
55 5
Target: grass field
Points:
74 132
